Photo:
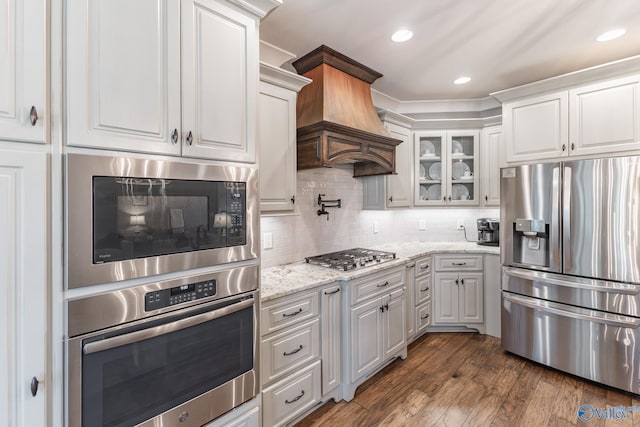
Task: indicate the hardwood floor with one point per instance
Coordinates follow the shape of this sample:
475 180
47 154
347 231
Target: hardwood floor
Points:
466 379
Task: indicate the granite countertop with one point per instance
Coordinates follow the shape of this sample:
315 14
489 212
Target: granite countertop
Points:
287 279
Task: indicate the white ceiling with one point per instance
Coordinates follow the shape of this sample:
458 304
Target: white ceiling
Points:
498 43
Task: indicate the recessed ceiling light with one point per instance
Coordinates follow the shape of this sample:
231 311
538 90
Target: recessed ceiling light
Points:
610 35
401 36
462 80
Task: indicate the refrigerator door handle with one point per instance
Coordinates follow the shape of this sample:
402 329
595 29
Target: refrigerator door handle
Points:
566 218
573 312
555 219
586 284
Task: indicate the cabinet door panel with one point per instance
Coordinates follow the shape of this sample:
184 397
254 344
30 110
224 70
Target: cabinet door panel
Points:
366 345
277 147
219 81
605 117
394 319
493 152
331 338
399 185
23 288
471 298
445 295
123 74
536 128
23 72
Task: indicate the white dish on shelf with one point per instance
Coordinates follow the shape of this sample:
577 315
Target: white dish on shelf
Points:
459 192
427 149
423 193
456 148
458 170
423 172
435 171
433 193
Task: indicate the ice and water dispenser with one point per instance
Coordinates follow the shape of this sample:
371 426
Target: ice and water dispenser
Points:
531 243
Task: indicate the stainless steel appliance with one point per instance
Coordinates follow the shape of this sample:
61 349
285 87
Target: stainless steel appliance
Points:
488 231
570 239
174 352
351 259
129 218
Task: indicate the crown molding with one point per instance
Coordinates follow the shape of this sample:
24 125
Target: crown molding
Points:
259 8
282 78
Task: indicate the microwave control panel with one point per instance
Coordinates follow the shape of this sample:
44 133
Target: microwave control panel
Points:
167 297
236 208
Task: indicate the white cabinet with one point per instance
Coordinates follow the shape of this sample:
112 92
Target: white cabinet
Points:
331 325
23 70
410 295
597 118
418 297
246 415
24 344
492 150
392 191
183 83
277 138
446 166
458 290
376 331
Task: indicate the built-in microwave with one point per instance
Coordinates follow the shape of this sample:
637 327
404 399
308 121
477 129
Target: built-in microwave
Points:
133 217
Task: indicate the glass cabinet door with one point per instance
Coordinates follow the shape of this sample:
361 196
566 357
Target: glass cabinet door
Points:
430 150
462 188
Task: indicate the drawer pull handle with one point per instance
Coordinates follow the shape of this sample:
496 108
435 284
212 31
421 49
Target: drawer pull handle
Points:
295 399
383 285
458 263
332 292
293 351
295 313
424 267
426 316
425 289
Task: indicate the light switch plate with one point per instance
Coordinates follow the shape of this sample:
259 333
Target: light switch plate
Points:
422 225
267 240
376 227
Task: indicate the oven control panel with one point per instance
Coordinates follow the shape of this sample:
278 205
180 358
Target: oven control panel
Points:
183 293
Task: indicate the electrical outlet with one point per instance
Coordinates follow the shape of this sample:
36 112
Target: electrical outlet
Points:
422 225
460 224
375 227
267 240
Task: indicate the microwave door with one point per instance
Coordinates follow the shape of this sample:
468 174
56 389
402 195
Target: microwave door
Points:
530 216
601 216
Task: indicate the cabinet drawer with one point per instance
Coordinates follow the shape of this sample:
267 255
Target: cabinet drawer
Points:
423 317
286 311
458 262
291 397
376 284
423 266
291 348
423 289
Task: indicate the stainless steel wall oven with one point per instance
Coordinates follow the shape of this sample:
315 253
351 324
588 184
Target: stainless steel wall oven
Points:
175 352
129 218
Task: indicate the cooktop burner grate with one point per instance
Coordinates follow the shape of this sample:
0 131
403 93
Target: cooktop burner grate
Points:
351 259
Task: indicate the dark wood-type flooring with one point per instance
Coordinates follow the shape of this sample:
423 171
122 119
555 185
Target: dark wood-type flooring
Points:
466 379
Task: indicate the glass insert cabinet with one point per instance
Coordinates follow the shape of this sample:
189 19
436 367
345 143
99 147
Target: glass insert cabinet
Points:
446 166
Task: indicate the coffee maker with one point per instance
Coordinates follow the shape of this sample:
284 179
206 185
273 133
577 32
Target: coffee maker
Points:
488 231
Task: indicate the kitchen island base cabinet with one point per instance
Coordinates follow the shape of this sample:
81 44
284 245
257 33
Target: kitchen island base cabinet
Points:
376 332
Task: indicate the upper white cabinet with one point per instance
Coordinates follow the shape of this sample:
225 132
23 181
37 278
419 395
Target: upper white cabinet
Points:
277 138
446 166
162 76
597 118
23 70
25 384
492 150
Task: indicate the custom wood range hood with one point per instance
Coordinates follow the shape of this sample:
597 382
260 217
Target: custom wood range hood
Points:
337 122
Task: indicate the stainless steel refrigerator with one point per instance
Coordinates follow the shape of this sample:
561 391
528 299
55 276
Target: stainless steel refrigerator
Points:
570 251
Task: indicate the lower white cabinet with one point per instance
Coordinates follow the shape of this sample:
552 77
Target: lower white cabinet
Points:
288 399
418 297
376 331
331 325
458 298
246 415
25 383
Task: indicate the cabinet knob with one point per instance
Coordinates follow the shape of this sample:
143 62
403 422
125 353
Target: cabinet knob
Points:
462 281
33 115
449 198
573 147
444 198
486 198
391 199
34 386
190 138
564 147
457 282
174 136
293 199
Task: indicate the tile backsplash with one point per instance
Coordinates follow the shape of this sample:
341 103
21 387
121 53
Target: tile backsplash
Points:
307 234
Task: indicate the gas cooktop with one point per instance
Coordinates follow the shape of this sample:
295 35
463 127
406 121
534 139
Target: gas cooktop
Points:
351 259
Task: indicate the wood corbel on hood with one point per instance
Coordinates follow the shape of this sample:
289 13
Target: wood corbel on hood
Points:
337 122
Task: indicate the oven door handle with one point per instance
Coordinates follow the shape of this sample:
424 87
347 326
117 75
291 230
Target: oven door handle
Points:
155 331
